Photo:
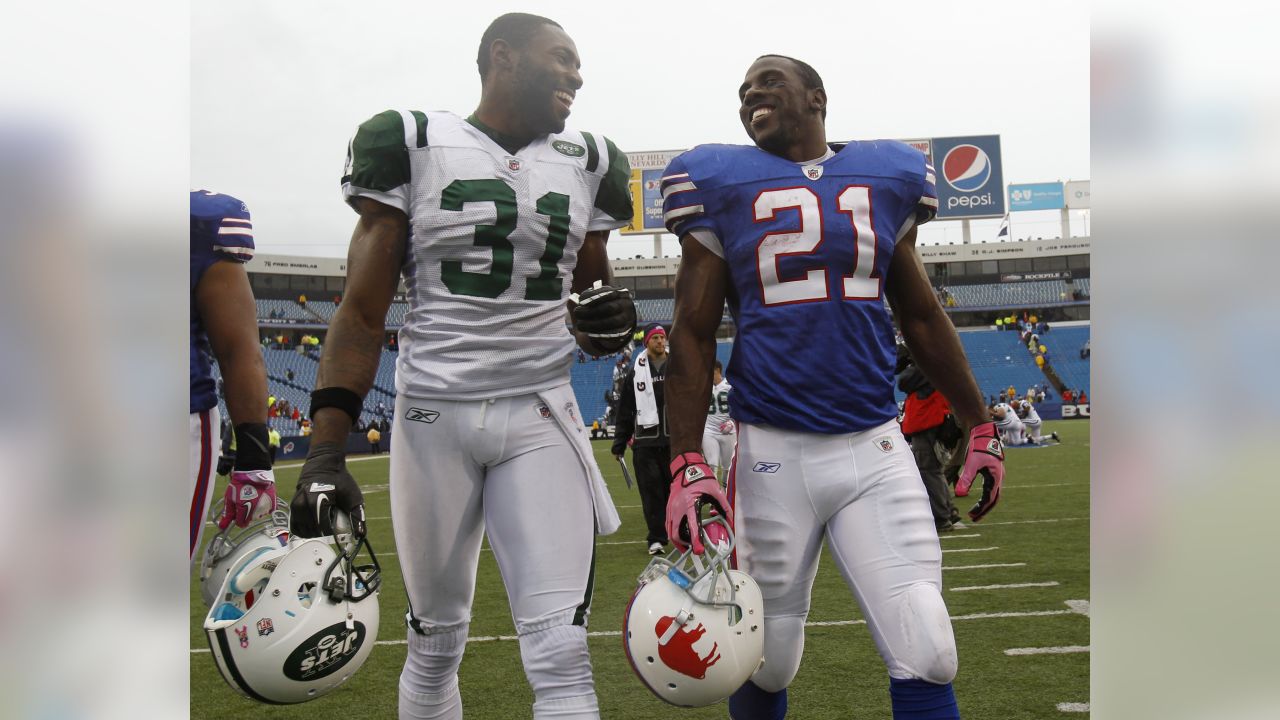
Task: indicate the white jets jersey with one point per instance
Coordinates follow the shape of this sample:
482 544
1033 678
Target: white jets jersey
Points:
493 240
718 411
1029 416
1010 418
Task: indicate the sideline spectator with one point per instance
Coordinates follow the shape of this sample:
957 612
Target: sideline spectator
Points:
375 439
302 300
273 439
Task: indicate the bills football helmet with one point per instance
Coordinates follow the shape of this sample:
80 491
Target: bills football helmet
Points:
233 543
694 629
292 623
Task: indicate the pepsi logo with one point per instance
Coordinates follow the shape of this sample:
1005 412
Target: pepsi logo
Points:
966 168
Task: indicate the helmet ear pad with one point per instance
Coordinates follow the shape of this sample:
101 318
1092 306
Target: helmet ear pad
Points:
294 640
694 629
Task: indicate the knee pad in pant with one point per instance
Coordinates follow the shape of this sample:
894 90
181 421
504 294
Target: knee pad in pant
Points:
928 649
431 666
557 664
783 648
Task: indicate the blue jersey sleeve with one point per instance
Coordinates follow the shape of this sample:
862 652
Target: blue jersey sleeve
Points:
221 227
684 203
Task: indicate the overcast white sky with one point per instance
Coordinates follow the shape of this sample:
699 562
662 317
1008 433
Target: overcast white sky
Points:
278 86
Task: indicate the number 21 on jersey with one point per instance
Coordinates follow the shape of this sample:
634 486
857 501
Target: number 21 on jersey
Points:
860 283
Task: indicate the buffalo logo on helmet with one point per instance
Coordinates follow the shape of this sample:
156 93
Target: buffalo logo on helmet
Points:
242 632
966 168
675 648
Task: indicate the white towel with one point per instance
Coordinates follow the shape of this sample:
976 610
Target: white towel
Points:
564 408
646 404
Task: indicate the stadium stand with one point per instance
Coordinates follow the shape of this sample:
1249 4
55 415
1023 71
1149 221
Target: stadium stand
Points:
1082 286
1064 345
289 310
324 309
1039 293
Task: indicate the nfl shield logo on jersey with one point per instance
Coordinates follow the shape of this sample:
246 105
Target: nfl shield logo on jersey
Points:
513 164
885 444
813 172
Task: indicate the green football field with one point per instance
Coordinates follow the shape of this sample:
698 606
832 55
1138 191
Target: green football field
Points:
1016 585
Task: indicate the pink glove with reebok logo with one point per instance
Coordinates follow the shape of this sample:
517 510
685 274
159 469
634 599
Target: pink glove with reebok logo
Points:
984 456
251 495
693 484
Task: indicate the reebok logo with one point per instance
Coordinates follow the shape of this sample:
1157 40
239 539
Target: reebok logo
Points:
767 467
421 415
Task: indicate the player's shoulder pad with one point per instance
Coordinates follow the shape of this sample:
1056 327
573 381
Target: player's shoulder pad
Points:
392 129
210 205
707 163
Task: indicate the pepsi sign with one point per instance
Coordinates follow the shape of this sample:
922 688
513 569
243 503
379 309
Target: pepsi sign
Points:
969 177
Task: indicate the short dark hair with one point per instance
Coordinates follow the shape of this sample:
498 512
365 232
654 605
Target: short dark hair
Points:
810 77
515 28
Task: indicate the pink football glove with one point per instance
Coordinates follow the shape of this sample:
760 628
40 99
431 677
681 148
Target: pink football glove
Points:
692 484
984 456
251 495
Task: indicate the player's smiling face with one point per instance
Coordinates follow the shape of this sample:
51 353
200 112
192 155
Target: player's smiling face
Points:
547 79
775 104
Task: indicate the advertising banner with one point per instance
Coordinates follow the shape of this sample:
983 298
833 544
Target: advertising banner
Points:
970 178
1035 196
1077 195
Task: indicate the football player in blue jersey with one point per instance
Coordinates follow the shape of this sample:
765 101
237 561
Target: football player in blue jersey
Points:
224 324
806 241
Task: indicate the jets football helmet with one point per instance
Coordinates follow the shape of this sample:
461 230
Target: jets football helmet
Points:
292 623
233 543
694 629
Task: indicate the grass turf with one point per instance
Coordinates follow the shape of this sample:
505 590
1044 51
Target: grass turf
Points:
1042 521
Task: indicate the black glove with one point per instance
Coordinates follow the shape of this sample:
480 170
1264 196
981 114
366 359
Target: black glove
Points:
323 486
226 461
607 315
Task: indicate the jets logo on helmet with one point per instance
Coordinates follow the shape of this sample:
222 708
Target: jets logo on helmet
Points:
316 612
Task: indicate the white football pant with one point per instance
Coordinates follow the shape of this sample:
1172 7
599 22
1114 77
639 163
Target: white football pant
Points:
863 494
718 450
503 467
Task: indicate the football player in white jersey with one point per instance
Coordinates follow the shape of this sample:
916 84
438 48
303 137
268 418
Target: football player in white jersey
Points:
720 432
1008 424
1031 422
492 220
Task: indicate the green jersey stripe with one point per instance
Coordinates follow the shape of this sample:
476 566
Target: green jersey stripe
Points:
614 195
593 155
421 119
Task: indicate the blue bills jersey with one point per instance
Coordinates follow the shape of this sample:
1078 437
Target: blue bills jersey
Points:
808 248
220 230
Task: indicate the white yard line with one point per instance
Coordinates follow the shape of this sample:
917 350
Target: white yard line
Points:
986 549
1048 650
812 623
947 536
1073 707
1028 522
983 567
1051 583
